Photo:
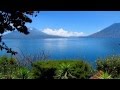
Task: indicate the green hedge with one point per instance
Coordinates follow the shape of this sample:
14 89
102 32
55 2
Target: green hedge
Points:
61 70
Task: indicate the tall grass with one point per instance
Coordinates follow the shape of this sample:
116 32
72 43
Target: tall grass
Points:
26 59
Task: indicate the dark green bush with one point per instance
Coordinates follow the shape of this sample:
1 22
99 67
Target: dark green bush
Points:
82 70
110 65
61 70
43 70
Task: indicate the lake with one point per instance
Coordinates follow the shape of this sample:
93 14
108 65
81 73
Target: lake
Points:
88 49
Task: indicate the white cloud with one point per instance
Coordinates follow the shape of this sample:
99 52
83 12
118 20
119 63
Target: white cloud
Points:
62 32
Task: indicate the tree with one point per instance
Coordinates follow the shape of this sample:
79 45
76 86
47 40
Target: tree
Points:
14 20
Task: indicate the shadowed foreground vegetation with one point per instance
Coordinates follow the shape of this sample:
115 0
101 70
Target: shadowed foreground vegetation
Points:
108 68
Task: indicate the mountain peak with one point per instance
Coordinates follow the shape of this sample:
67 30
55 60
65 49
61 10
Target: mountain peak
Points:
112 31
116 23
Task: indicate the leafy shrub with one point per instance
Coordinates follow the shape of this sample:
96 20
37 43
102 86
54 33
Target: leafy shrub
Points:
82 70
23 73
101 75
64 72
7 65
11 69
61 70
110 65
42 70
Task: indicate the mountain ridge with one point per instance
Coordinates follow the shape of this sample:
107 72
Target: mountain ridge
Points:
112 31
34 34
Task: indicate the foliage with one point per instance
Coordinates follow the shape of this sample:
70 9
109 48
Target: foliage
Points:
101 75
61 69
11 20
42 70
23 73
107 68
110 65
105 75
11 69
64 72
7 65
82 70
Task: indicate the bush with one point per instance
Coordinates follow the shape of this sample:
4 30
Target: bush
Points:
7 66
82 70
11 69
101 75
64 72
61 70
110 65
43 70
23 73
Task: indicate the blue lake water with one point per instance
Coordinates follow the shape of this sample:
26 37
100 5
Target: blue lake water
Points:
67 48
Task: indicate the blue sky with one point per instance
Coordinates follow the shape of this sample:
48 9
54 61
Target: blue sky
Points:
86 22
